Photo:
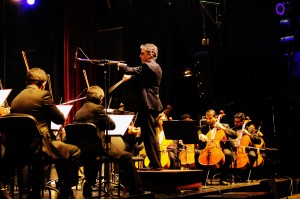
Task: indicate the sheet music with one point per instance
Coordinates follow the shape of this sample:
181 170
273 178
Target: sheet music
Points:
122 122
65 109
3 95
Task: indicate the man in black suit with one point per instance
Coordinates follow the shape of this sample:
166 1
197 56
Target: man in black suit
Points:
145 98
93 111
36 101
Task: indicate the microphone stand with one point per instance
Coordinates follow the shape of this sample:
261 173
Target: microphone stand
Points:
105 64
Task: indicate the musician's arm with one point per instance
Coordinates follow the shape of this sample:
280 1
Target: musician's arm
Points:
231 133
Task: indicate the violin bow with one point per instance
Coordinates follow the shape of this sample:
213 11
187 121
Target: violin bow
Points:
86 79
25 60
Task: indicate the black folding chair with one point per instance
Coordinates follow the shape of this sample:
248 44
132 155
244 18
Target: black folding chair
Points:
22 139
85 136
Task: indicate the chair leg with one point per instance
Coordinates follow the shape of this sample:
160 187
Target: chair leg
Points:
207 175
12 184
248 180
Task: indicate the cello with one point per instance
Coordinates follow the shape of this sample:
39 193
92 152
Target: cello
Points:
164 144
212 155
187 153
187 156
259 160
243 140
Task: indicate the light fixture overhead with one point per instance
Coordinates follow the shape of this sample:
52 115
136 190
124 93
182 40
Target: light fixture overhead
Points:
187 72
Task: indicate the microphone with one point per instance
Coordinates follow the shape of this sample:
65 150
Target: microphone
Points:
75 61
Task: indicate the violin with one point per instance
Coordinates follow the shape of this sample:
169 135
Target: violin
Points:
212 155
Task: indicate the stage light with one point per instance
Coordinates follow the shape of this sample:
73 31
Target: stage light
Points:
30 2
187 72
283 8
287 39
285 23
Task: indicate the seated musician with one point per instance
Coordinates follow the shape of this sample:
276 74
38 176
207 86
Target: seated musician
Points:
167 149
132 136
246 138
38 102
132 139
93 111
257 132
225 162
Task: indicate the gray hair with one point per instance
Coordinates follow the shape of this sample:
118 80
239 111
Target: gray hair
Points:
36 76
150 48
95 94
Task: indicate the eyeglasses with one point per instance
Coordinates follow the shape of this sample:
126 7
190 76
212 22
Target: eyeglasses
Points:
143 53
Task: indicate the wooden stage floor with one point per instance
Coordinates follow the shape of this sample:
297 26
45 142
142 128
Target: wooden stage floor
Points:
260 188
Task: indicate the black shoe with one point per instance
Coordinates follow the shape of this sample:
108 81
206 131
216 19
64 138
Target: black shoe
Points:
87 190
4 195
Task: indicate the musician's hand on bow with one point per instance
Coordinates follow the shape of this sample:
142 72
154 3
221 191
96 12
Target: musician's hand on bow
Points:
203 137
218 125
244 131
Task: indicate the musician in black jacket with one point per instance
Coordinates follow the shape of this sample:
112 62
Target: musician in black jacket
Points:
93 111
36 101
145 98
244 132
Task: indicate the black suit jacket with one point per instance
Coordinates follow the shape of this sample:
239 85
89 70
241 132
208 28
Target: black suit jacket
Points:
147 78
39 104
95 113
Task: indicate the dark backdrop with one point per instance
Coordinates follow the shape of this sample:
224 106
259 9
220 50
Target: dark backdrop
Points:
242 69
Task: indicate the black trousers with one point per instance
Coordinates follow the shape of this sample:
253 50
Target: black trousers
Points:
146 120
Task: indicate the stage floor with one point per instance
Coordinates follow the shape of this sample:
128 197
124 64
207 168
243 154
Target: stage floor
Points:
279 186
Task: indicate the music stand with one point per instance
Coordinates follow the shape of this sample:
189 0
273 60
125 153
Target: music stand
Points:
65 109
122 122
187 131
3 95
